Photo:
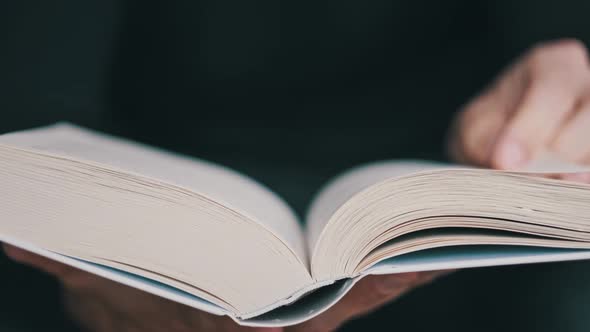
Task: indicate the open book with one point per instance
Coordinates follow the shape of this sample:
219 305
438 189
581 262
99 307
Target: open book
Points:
208 237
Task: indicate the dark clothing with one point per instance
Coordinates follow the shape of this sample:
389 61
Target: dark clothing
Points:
253 84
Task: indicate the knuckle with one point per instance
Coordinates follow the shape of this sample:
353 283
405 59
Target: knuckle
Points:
573 52
570 52
571 47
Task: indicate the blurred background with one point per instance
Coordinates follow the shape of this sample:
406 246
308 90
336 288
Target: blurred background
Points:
290 93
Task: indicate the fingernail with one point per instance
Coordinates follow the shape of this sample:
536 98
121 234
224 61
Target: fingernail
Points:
511 154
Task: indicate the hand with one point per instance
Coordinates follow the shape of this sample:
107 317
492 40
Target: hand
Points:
101 305
540 103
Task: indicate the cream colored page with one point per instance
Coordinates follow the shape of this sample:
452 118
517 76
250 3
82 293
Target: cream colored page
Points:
213 181
336 193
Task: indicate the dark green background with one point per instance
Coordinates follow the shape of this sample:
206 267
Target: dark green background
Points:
291 93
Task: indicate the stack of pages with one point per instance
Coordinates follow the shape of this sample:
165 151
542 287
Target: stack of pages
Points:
203 235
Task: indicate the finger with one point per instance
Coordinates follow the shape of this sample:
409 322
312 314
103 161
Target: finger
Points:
557 77
573 141
369 294
478 125
576 177
47 265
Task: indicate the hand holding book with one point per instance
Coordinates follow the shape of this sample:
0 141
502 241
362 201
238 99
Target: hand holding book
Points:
528 110
540 103
99 304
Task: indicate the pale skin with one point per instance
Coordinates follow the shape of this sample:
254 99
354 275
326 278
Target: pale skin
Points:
539 103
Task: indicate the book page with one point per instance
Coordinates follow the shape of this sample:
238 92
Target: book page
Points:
336 193
218 183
